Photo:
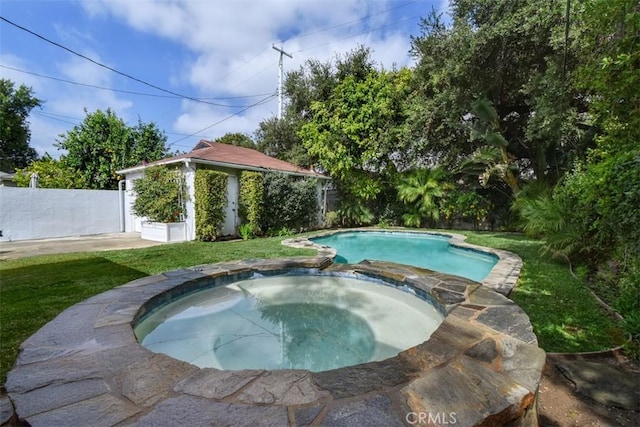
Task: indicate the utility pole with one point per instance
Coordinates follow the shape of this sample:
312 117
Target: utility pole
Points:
282 52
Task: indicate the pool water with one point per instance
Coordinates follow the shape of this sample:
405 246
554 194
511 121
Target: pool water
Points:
418 249
311 322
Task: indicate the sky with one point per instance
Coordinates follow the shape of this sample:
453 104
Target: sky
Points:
197 68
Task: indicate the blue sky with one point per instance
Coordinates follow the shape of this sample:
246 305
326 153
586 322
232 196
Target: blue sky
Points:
219 51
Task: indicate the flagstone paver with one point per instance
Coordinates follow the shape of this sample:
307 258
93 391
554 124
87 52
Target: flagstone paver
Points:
482 366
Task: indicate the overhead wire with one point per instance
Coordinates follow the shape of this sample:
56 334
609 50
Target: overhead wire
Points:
60 118
51 116
262 101
393 24
204 100
343 24
129 91
191 98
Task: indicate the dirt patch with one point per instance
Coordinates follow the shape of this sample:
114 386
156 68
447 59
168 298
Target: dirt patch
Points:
559 404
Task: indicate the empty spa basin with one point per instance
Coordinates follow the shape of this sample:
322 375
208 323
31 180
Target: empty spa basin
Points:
311 321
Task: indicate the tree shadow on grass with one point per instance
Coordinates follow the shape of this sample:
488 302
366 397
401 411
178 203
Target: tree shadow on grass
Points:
34 294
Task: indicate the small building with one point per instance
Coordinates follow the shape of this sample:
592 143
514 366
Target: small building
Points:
6 179
230 159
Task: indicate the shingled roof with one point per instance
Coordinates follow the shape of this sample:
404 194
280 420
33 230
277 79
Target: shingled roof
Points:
232 156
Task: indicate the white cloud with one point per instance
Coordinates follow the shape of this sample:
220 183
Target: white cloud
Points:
76 69
227 52
63 104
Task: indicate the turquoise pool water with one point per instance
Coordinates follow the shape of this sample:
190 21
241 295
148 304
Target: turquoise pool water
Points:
418 249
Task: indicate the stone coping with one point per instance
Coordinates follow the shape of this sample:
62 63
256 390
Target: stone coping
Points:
481 366
502 277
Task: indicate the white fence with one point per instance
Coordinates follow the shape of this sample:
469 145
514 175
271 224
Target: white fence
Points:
39 213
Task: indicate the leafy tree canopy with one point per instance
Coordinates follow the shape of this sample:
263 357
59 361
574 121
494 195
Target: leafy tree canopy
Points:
15 106
52 173
315 81
103 144
513 53
238 139
356 135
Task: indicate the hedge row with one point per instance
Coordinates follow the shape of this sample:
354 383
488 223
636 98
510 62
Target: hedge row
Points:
210 203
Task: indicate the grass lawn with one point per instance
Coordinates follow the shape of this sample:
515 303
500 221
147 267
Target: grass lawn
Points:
564 314
34 290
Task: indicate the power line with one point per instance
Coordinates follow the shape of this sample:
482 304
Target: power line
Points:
51 117
333 27
393 24
129 91
262 101
105 66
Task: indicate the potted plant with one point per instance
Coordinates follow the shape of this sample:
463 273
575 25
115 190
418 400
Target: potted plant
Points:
160 199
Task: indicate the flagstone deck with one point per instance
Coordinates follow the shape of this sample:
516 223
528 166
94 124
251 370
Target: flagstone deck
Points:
482 366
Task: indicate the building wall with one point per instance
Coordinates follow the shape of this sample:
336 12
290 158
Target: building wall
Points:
41 213
232 220
190 180
132 222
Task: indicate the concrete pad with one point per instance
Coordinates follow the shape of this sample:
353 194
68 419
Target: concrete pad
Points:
98 242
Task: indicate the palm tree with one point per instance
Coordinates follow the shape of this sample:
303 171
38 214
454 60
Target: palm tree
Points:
493 158
421 188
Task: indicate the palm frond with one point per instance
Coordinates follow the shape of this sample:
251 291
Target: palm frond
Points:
483 108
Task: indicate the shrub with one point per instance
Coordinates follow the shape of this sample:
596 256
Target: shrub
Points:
246 231
210 204
251 201
331 219
160 195
289 202
466 206
353 212
627 302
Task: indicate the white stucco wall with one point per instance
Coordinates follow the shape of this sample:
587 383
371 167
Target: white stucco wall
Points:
131 221
190 179
39 213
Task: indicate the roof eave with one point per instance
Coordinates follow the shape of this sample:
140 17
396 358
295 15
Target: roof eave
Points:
254 168
216 163
168 161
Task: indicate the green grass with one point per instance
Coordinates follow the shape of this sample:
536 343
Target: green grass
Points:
564 314
34 290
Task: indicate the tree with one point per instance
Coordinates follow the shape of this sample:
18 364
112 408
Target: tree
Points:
512 53
312 82
238 139
52 173
279 138
356 134
103 144
422 189
15 106
592 216
492 159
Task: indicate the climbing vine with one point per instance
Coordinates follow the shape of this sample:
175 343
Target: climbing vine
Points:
251 201
211 201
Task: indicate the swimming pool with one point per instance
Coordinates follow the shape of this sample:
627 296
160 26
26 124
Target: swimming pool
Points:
426 250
